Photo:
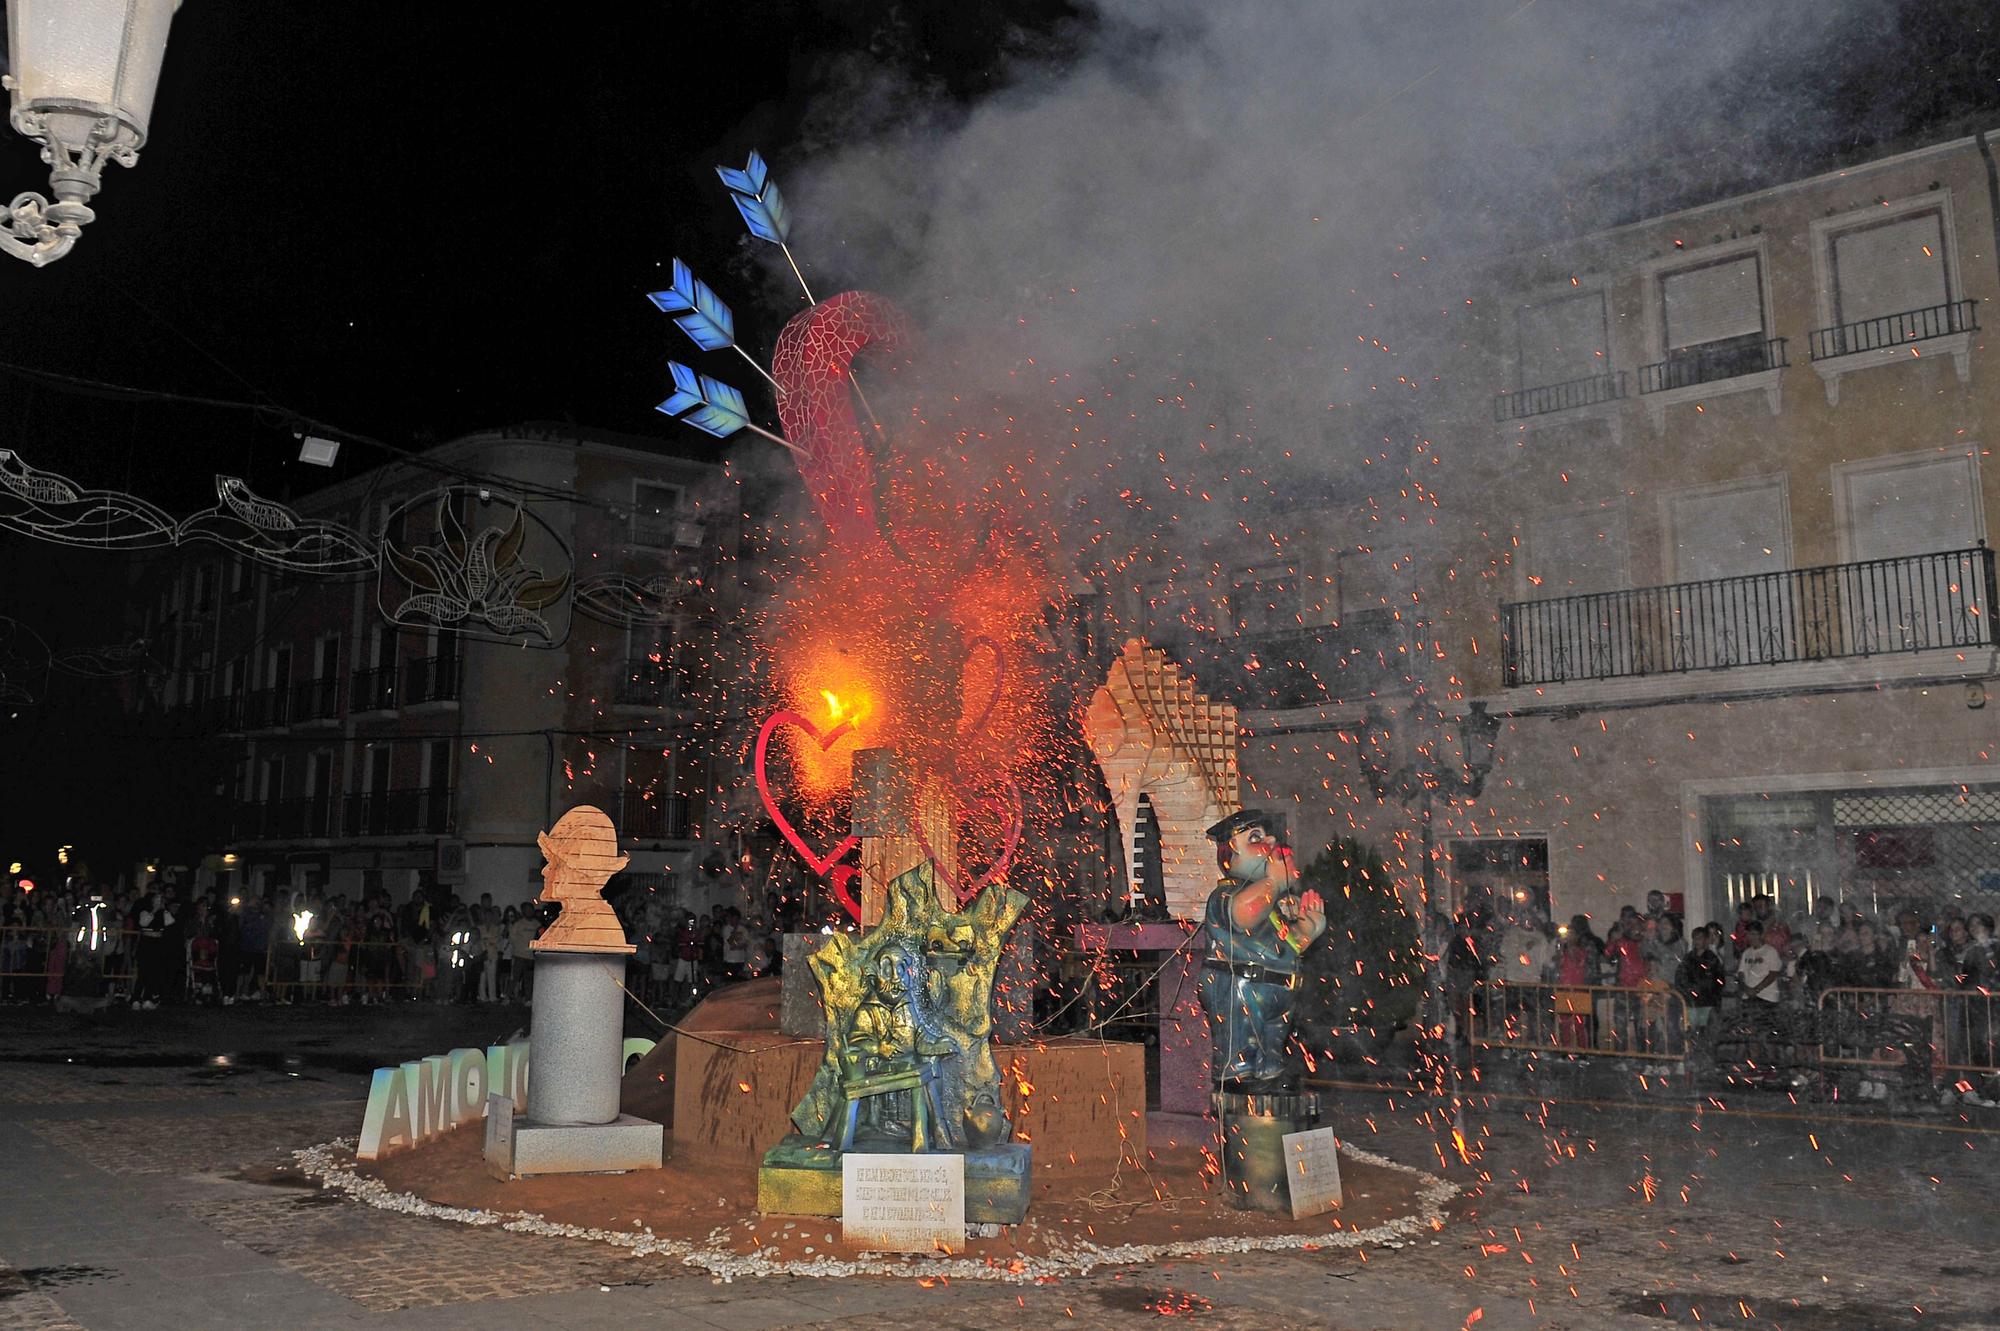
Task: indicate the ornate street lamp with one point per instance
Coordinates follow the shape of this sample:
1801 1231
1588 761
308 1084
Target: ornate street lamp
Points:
82 74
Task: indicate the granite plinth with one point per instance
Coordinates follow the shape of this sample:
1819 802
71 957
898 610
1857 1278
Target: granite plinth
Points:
1254 1167
801 1177
578 1033
520 1147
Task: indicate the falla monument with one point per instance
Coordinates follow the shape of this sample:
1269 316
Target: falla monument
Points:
909 1066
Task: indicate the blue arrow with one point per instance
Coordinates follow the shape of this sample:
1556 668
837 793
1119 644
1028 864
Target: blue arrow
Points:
757 198
697 309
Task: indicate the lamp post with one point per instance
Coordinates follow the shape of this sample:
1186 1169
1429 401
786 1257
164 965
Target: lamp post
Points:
1423 781
82 74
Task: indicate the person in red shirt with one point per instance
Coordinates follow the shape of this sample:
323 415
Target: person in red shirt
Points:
202 953
1623 952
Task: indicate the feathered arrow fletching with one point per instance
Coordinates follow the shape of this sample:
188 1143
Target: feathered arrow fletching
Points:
697 309
707 404
756 196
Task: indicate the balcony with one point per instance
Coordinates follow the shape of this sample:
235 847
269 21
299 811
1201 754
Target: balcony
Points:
309 816
316 700
1895 330
1876 607
1892 338
1527 403
372 690
411 811
643 816
266 709
644 683
1718 361
430 679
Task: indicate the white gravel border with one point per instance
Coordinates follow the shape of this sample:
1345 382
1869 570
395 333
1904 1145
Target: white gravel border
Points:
322 1163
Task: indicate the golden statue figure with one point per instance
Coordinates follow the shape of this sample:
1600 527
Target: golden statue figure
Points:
582 854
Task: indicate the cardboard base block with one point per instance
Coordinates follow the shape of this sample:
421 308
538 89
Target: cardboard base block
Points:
1076 1100
520 1147
799 1177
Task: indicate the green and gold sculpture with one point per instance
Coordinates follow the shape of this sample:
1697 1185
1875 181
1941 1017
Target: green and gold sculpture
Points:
909 1063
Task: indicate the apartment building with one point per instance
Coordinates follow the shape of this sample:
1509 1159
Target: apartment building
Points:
1713 493
365 752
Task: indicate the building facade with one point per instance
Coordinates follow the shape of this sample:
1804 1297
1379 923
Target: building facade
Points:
1706 503
363 752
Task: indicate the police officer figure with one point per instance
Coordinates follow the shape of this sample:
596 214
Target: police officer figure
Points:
1258 925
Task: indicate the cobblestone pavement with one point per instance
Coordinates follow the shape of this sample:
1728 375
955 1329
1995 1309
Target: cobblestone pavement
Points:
136 1197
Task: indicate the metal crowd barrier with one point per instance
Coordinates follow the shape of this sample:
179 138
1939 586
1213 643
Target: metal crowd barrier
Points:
1623 1021
28 954
1869 1027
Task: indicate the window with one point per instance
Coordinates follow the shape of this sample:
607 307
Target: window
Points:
437 764
326 657
1570 554
1370 580
1266 600
656 514
1728 531
1561 341
204 588
281 670
1908 506
1718 303
1896 267
239 580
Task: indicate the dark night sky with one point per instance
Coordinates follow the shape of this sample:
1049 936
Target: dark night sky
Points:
412 221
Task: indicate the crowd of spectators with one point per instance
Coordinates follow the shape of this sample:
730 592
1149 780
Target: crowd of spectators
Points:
167 943
1611 991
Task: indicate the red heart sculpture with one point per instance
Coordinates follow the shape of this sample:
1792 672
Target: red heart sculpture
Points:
999 866
844 874
821 864
999 682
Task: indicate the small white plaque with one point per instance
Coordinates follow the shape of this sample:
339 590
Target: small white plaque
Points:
1312 1168
903 1203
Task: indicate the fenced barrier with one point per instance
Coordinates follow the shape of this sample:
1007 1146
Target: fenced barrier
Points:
1622 1021
34 956
1872 1028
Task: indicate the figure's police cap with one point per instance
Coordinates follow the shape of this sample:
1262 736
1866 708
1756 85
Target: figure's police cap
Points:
1272 823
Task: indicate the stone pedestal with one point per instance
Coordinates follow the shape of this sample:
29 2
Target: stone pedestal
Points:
577 1032
1181 1024
1253 1146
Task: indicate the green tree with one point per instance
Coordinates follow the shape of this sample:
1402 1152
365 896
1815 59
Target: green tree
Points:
1367 971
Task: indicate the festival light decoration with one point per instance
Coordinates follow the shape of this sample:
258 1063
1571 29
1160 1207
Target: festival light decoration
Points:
50 507
24 663
482 584
274 535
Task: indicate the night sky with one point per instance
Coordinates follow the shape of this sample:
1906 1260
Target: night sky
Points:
410 222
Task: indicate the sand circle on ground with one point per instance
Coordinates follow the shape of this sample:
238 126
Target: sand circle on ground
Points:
1164 1203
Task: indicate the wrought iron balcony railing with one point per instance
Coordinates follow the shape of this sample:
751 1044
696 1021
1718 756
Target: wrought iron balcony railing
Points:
316 700
646 816
1526 402
1895 330
412 810
1875 607
264 709
430 679
372 689
273 820
1713 363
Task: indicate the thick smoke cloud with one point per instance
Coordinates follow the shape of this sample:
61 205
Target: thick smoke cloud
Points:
1236 234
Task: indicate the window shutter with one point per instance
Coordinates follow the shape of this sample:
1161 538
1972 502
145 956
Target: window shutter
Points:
1562 340
1570 554
1730 534
1891 268
1713 303
1911 510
